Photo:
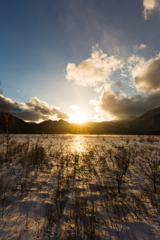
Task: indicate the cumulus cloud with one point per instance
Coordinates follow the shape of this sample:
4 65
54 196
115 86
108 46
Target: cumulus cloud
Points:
128 106
124 75
33 110
144 76
103 87
142 46
132 66
98 68
74 107
149 7
134 60
147 75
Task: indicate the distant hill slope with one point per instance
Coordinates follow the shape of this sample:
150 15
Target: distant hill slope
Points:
15 125
148 123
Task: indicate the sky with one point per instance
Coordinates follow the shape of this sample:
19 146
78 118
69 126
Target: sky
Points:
96 60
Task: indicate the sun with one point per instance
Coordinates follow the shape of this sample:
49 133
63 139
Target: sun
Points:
78 118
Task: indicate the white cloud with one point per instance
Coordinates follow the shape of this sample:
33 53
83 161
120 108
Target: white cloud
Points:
135 60
101 115
132 67
134 64
143 75
142 46
74 107
94 101
124 75
33 110
149 7
98 68
102 88
147 75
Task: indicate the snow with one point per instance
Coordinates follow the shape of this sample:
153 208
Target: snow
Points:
65 187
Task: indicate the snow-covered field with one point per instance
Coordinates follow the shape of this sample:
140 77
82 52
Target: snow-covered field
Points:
79 187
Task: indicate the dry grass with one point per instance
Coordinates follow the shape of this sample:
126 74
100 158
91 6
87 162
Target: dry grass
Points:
80 187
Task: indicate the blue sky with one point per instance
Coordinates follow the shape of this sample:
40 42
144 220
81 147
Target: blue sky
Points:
101 56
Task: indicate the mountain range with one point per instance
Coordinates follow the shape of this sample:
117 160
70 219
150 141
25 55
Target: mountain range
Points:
148 123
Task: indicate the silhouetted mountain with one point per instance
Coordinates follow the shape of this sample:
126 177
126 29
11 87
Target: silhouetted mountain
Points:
148 123
50 126
15 124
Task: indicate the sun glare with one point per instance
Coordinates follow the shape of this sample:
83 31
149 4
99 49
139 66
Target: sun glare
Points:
78 118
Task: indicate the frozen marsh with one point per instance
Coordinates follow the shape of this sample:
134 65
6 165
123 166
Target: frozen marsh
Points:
79 187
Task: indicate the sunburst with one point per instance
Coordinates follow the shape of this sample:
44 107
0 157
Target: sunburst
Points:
78 118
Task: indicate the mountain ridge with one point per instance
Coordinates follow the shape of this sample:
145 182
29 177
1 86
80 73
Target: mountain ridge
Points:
147 123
